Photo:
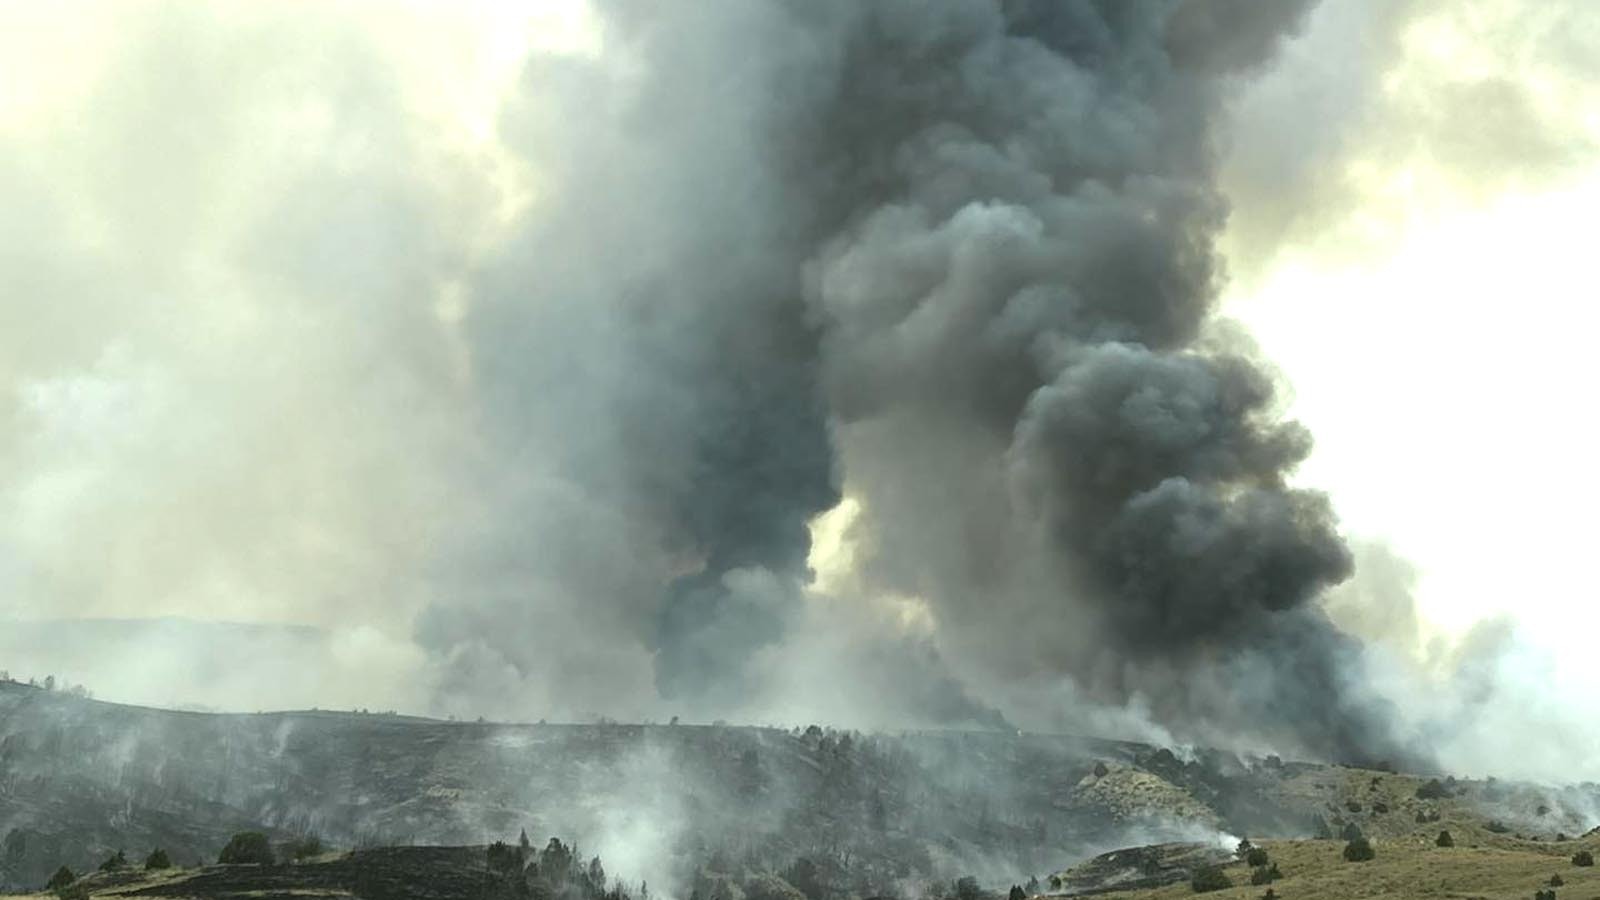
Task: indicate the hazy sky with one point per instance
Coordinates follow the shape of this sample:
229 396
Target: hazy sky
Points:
1425 286
237 240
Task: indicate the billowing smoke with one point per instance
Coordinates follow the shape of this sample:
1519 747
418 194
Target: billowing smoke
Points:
542 424
952 258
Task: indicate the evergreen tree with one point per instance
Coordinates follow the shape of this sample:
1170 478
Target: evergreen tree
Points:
61 879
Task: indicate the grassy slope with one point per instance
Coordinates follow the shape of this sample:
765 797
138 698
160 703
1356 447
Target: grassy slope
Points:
1406 868
1482 864
386 873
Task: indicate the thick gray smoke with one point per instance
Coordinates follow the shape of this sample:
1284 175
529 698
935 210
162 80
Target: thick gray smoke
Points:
953 257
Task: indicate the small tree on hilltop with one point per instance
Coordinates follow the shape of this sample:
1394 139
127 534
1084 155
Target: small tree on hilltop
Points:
1583 858
1017 893
1359 850
1351 832
247 848
157 859
61 879
1257 856
115 861
1210 878
1445 840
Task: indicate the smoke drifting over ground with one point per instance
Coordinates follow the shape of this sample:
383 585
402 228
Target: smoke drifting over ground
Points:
939 274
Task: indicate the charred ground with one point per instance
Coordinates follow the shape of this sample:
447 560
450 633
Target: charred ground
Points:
707 808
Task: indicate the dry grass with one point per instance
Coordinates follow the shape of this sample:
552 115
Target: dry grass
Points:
1410 867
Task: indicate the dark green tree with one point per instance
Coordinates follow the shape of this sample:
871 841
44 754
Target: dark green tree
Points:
247 848
1359 850
61 879
1210 878
503 858
157 859
117 860
1265 874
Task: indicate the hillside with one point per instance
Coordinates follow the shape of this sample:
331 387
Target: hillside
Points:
1404 869
439 873
871 814
80 778
1507 841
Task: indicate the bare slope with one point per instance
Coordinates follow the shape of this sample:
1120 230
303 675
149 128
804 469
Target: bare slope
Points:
79 779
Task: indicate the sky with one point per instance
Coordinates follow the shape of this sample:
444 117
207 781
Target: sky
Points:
240 241
1426 295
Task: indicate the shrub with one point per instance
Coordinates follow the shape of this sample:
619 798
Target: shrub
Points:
1583 858
1380 807
502 857
61 879
1244 848
304 847
1445 840
1557 881
1498 827
1432 790
115 861
1256 856
1265 874
247 848
1017 893
1353 806
157 859
1359 850
1210 878
1055 882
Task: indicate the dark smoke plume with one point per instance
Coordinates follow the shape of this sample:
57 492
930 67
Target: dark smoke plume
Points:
955 257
